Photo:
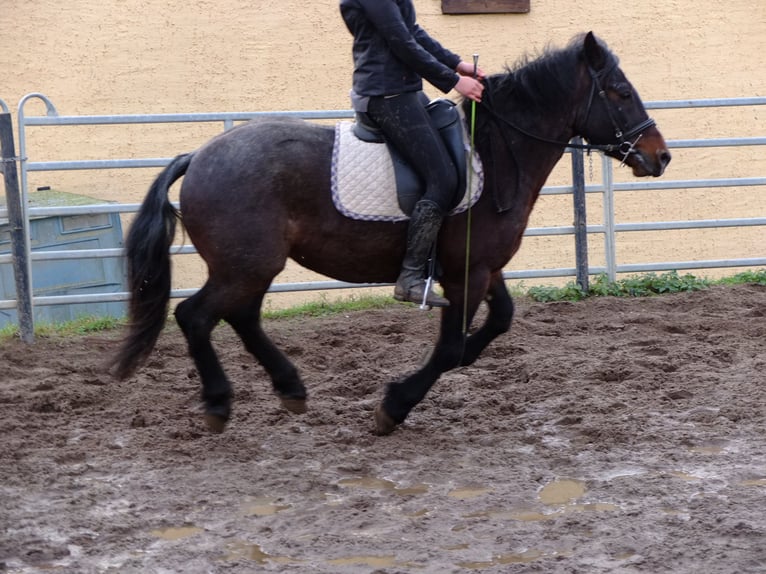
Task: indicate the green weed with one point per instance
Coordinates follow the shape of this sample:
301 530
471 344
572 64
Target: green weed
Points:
634 286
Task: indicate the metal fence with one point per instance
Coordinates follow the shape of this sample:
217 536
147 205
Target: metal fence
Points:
607 188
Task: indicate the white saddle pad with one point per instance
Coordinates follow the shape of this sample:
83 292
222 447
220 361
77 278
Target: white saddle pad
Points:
363 183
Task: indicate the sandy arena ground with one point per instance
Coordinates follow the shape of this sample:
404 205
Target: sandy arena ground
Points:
609 435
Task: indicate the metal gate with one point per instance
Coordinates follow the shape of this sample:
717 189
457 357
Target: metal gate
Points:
21 212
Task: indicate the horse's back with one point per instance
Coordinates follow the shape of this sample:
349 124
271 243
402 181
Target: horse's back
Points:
277 142
259 157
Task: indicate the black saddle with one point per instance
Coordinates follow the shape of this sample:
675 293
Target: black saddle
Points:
409 187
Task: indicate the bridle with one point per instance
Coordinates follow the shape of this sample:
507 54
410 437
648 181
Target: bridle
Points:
625 144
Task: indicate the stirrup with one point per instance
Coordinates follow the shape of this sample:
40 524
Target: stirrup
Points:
420 293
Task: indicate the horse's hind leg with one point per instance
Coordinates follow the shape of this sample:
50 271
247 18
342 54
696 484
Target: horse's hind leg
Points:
197 316
284 376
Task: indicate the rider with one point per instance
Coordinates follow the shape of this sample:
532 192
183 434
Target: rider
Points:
392 55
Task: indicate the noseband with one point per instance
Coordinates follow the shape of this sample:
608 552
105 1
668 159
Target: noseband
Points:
624 145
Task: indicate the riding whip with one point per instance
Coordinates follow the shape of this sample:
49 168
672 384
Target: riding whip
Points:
470 188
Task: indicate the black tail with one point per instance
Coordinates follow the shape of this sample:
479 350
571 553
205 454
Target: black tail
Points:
147 252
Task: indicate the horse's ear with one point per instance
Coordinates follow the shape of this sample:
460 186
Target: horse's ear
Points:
594 52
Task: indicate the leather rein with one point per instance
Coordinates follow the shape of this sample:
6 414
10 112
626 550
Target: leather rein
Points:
624 145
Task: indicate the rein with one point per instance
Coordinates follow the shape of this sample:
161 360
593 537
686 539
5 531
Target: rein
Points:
624 145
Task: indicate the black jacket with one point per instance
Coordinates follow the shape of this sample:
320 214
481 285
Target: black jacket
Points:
391 52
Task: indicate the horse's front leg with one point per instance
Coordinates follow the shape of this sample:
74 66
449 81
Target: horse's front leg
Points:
498 320
402 396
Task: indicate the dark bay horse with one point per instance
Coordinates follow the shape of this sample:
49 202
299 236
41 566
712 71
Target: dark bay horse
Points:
260 193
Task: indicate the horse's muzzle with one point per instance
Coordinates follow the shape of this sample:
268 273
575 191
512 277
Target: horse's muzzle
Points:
649 156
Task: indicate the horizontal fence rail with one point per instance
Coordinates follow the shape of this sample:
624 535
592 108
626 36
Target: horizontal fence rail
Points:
607 188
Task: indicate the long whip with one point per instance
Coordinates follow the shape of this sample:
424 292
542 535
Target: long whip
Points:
468 216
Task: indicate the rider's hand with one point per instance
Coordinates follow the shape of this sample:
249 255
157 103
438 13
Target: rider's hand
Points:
469 88
467 69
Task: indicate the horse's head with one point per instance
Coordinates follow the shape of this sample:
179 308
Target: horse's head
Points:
613 116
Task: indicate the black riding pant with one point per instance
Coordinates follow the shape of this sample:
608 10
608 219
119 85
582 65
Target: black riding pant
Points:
404 121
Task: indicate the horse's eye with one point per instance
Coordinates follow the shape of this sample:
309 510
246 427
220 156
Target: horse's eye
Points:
623 91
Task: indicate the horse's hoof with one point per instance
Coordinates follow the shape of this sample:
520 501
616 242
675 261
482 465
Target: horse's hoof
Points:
294 405
384 424
215 423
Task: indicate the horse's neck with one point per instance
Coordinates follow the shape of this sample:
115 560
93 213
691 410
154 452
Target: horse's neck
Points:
540 130
535 129
528 160
544 156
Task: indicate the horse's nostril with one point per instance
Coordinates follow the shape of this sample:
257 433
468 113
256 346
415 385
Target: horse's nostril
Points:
664 157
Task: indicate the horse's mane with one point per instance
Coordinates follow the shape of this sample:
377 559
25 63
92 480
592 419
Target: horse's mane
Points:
537 88
544 78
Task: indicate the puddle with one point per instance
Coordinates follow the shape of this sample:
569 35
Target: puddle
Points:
247 551
368 482
623 473
176 533
520 558
711 447
534 516
468 492
264 507
369 561
412 490
592 507
373 483
706 449
418 513
561 491
684 475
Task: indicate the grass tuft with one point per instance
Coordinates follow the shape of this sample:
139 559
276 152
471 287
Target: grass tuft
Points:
324 307
80 326
641 286
637 286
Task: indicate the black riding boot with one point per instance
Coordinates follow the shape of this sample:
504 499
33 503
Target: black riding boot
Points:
424 226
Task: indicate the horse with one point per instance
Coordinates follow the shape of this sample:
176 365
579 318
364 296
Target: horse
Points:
259 193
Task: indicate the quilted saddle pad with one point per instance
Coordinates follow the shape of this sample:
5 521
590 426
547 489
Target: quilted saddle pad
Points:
363 182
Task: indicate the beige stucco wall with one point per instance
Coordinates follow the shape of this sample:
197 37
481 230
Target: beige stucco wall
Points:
158 56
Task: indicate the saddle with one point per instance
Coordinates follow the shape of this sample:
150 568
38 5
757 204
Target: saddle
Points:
409 187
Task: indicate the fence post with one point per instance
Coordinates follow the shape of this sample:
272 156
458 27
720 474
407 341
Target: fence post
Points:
610 239
17 228
580 217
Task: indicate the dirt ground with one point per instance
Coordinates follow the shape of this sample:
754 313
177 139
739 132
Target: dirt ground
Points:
609 435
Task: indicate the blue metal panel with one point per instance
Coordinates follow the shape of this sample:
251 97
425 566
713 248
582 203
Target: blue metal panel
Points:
69 276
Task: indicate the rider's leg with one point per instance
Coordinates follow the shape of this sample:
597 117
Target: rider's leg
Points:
404 121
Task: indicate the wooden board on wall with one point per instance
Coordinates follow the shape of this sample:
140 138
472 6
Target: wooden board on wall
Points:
484 6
